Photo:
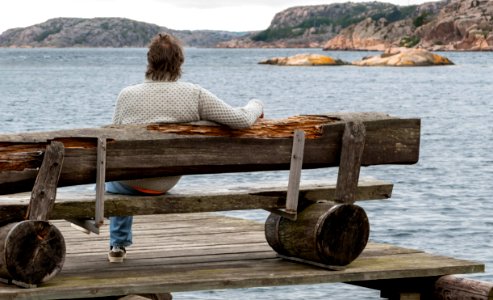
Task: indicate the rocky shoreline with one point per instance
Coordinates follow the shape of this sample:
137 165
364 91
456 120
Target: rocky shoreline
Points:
465 25
446 25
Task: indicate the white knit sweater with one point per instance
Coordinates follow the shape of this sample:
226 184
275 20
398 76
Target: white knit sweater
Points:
180 102
177 102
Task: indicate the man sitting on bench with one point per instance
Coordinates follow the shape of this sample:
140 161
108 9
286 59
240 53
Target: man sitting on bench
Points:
161 98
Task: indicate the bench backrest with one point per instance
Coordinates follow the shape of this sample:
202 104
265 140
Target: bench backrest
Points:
176 149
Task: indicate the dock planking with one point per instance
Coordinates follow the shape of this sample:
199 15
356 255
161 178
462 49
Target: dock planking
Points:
204 251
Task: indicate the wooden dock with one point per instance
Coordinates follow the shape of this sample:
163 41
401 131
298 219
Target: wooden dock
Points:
198 250
203 251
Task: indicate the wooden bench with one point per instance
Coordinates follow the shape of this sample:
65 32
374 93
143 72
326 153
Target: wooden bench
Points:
318 224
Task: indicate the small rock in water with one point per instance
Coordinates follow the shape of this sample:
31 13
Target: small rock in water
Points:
304 60
404 57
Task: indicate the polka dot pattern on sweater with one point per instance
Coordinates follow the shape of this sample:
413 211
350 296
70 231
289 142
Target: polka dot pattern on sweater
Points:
178 102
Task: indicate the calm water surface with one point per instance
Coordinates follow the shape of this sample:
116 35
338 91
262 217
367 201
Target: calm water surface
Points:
441 205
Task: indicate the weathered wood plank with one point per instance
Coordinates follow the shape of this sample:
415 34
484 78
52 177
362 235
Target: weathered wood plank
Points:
44 192
100 182
136 150
295 172
275 270
213 263
81 205
353 142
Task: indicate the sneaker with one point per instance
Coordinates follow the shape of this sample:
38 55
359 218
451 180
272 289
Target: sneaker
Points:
117 254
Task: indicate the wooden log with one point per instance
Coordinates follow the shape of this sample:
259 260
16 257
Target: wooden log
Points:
31 252
455 288
177 149
324 233
448 287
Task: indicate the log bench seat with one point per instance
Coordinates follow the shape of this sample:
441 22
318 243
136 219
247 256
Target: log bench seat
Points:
316 224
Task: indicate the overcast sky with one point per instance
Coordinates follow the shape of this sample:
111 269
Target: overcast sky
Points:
231 15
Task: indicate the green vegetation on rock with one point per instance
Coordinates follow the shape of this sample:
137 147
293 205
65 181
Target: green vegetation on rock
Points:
420 20
350 15
409 41
396 14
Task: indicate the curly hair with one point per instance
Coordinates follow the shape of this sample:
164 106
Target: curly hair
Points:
164 58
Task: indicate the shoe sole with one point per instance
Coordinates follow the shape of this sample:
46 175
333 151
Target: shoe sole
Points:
113 259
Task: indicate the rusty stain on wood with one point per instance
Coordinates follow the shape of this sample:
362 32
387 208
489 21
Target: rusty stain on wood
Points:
21 156
263 128
155 151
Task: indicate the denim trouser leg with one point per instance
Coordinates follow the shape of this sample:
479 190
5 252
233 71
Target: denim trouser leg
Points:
121 226
121 231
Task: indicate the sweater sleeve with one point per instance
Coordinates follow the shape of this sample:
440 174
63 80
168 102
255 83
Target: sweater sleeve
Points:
214 109
117 114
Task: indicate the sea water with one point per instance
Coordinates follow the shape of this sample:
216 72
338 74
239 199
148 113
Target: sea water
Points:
442 204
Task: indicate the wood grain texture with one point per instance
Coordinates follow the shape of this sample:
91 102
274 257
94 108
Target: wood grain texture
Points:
32 251
353 142
295 171
100 182
323 233
81 205
137 151
453 288
191 252
45 187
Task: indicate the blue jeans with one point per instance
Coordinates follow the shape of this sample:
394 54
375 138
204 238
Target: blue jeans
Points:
120 226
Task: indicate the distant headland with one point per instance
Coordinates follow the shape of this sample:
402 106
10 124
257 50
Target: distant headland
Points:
447 25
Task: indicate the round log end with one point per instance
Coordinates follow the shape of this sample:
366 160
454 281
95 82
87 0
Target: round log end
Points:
34 251
343 234
323 232
272 233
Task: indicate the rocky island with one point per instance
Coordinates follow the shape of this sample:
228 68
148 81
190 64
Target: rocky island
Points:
438 26
446 25
304 60
404 57
103 32
396 57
